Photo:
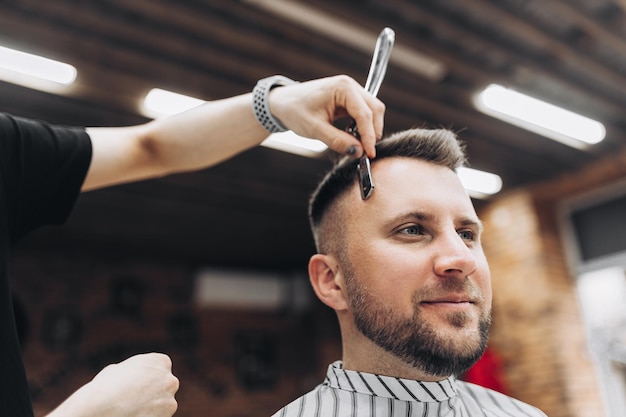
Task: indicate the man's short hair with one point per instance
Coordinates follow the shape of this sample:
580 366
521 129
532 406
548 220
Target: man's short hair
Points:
439 146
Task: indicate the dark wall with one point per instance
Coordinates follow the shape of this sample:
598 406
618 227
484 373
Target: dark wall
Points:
80 313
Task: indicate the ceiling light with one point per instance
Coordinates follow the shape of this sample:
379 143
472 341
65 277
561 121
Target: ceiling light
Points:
479 184
161 103
34 71
540 117
352 35
291 142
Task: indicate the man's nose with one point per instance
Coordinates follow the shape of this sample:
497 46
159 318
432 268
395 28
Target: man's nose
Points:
454 256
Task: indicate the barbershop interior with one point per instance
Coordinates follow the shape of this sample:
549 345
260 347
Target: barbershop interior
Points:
210 267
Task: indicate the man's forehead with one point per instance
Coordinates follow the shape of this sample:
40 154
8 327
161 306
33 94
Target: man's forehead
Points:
415 185
403 174
392 161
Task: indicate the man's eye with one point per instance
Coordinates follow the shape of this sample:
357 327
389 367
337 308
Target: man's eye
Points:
412 230
466 235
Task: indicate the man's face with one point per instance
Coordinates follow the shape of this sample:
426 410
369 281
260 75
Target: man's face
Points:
417 279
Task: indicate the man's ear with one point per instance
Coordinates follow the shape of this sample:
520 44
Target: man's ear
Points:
327 281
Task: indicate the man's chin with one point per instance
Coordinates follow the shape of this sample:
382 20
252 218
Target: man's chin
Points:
448 360
450 350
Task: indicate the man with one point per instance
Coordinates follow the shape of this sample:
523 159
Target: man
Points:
43 167
405 272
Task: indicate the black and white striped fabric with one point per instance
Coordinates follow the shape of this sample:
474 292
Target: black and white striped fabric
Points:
357 394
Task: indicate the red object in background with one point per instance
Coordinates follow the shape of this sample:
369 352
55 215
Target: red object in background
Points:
487 372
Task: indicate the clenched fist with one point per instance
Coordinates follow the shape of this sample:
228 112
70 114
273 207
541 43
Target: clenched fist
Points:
141 386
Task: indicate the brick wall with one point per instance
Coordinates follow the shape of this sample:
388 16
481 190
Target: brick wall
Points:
538 327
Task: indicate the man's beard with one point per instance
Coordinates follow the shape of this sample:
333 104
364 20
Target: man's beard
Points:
414 340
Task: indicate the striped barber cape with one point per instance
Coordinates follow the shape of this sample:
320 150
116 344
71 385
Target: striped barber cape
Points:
356 394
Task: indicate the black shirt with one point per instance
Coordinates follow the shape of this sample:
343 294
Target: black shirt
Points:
42 168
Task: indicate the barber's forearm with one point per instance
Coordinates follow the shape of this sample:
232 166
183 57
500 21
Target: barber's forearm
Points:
192 140
77 405
206 135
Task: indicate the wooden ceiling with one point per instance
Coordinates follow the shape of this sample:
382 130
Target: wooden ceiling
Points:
251 211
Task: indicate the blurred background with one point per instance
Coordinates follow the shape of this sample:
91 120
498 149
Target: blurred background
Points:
210 267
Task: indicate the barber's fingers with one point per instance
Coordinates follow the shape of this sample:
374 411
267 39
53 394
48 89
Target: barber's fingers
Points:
141 371
154 380
368 112
153 359
160 362
310 108
340 141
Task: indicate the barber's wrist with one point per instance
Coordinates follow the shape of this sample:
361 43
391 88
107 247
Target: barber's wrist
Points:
261 104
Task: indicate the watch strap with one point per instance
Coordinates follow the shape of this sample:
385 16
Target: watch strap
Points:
261 104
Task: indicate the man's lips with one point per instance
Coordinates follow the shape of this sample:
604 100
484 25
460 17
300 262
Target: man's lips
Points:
448 304
450 299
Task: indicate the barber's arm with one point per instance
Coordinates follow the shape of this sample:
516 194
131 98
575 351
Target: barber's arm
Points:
142 385
218 130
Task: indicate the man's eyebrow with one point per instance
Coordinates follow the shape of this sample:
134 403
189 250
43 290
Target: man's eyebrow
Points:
472 222
412 215
429 218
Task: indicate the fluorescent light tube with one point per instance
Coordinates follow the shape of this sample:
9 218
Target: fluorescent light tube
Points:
34 71
159 103
291 142
479 184
540 117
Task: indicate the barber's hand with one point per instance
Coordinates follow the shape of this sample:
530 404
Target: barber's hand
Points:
310 108
140 386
